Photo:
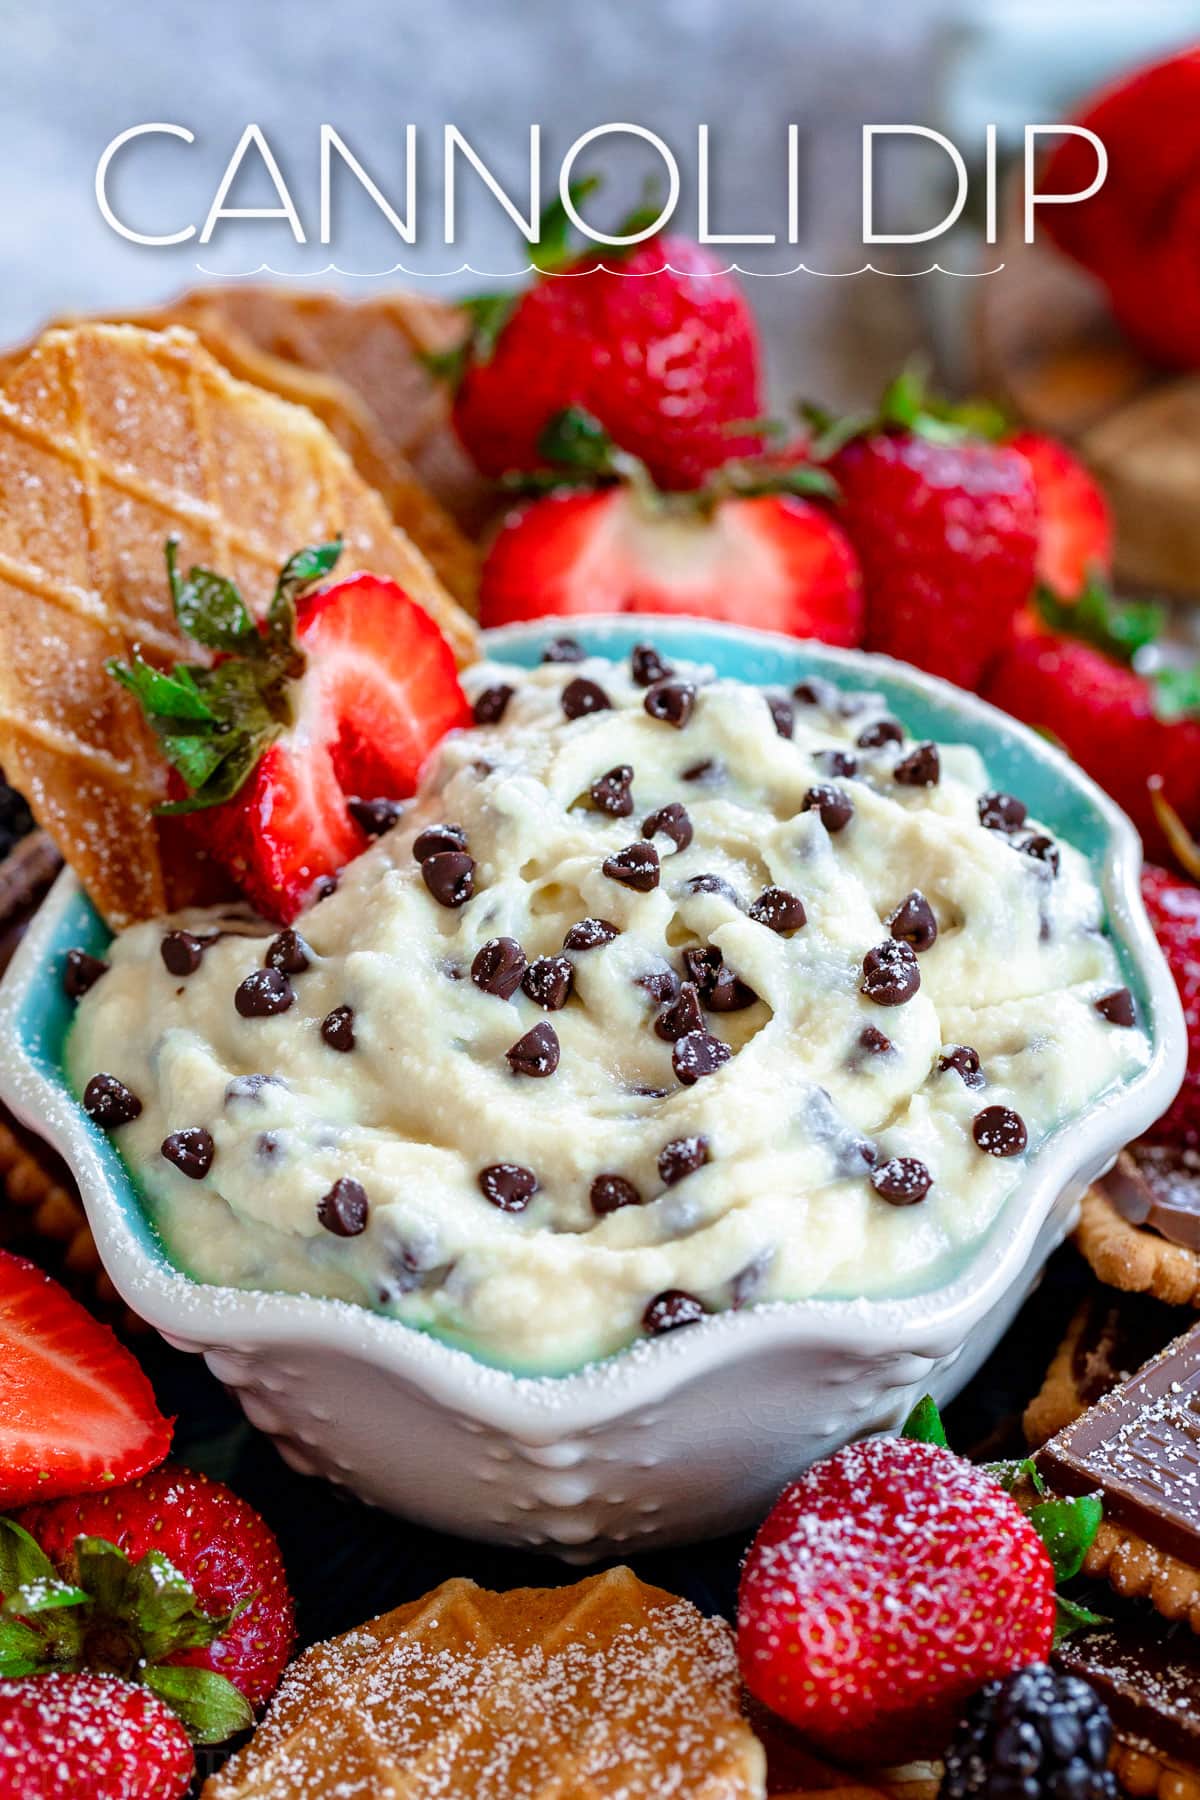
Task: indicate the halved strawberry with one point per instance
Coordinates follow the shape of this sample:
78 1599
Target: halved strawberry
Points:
76 1412
340 694
1075 534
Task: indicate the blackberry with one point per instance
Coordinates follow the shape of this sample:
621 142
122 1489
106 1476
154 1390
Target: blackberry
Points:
1037 1735
15 818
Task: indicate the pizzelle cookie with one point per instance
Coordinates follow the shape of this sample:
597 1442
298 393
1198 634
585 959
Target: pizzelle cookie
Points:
1110 1336
1139 1227
1139 1447
111 439
607 1690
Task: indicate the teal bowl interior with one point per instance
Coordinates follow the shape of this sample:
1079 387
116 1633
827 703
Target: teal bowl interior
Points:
1016 760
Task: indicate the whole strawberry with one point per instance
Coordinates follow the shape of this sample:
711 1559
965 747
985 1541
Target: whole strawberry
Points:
886 1586
89 1737
176 1582
1075 531
945 524
1174 908
660 346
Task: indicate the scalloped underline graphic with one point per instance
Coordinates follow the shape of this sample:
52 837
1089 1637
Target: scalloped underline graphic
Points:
595 269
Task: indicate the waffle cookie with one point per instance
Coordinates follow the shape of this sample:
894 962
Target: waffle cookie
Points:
1110 1336
1148 1675
1139 1447
607 1690
1139 1227
112 438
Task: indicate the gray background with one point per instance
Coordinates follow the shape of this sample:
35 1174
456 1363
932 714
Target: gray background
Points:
77 72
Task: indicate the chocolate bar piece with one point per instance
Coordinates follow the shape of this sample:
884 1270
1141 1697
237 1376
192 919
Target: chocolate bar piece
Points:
1148 1676
1117 1334
1158 1186
1140 1447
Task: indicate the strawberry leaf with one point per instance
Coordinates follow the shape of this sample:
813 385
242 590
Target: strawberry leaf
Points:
1071 1616
1020 1473
574 439
924 1424
209 1705
23 1562
22 1650
751 478
552 249
1176 693
166 696
1118 627
1067 1528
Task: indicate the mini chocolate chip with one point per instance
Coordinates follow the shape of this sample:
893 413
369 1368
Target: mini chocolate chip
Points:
913 921
191 1150
376 817
965 1063
681 1158
834 805
182 951
581 697
326 888
880 732
438 838
287 952
783 713
1002 812
901 1181
250 1087
697 1054
548 982
661 984
536 1053
590 934
683 1015
491 704
109 1102
265 992
890 973
267 1145
564 650
922 767
81 972
708 769
673 821
874 1041
779 911
671 1310
1000 1131
611 1192
1118 1007
712 884
498 967
647 666
671 701
817 692
337 1028
450 877
343 1210
634 867
837 762
610 794
1043 850
508 1186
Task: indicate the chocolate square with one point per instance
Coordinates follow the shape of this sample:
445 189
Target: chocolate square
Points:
1140 1447
1148 1675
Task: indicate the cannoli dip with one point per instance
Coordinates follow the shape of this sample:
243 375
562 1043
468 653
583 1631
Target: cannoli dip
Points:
665 995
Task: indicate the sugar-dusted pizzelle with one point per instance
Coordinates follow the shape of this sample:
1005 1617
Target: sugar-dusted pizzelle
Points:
1139 1447
111 439
609 1689
1139 1227
1110 1336
1148 1675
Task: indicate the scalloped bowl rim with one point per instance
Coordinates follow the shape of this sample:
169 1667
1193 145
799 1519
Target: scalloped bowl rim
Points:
933 1322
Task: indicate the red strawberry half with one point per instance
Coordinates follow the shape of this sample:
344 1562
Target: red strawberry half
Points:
886 1586
661 348
171 1580
1074 523
340 694
89 1737
76 1412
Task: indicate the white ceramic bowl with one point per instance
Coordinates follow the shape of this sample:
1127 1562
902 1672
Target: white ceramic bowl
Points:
684 1436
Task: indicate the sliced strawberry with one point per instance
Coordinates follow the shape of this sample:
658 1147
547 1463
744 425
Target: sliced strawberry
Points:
774 561
1075 535
76 1412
